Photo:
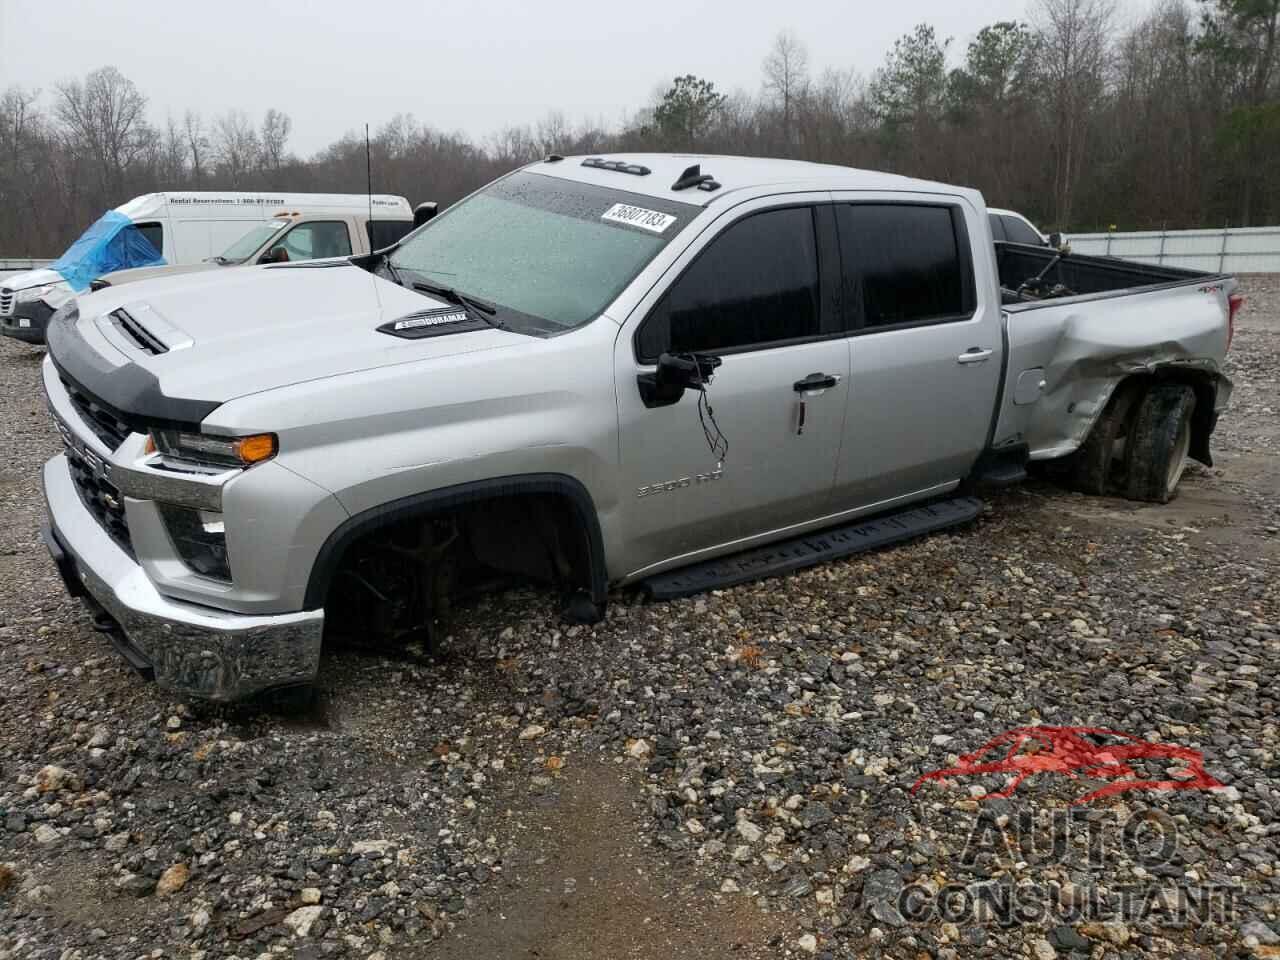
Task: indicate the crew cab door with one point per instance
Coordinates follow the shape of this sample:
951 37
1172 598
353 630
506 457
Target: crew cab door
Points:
926 344
758 290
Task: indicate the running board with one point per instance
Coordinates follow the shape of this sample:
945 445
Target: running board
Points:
813 548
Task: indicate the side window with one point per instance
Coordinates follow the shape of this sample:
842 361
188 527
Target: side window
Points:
997 228
754 284
383 233
1019 232
312 241
154 232
905 263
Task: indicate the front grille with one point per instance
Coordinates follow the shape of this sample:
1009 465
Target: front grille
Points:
6 302
101 421
104 502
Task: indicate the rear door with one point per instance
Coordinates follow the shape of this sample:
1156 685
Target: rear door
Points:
760 293
926 346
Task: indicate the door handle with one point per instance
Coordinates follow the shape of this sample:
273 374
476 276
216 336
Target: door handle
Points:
975 355
816 381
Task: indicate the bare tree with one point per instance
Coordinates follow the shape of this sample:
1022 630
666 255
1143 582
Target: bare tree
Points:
786 76
197 144
105 117
235 145
1074 54
172 150
276 127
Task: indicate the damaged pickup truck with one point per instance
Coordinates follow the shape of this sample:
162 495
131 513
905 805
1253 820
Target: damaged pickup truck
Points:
594 372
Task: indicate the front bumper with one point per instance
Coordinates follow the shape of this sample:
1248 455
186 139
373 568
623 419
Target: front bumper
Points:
34 314
192 649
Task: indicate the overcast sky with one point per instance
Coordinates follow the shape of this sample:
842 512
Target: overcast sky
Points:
467 66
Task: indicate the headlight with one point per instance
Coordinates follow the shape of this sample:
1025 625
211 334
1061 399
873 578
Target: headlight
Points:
214 451
33 293
54 294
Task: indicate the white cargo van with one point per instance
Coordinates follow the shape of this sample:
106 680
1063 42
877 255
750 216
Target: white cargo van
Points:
178 227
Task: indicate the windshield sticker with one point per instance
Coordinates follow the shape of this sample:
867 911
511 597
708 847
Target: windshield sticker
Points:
650 220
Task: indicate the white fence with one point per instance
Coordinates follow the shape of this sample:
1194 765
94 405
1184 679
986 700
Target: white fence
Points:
1230 250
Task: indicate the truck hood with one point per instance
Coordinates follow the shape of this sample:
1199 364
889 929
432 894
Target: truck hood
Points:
213 336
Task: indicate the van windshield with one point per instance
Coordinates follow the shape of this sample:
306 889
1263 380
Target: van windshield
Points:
243 249
549 253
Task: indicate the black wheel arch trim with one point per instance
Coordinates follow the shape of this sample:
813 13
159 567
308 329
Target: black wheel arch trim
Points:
421 504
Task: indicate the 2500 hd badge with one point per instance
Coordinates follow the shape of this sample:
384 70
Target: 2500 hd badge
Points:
668 486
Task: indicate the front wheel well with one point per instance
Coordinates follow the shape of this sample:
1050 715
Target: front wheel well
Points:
541 527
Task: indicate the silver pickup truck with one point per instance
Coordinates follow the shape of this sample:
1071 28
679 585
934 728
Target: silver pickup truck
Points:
664 371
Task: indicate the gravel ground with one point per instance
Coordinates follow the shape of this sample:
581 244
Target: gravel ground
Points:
728 775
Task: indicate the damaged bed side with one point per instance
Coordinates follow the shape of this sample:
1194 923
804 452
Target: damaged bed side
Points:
1113 368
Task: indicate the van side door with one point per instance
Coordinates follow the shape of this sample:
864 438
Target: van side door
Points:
926 346
757 289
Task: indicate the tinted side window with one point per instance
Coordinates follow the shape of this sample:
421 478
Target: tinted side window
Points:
383 233
905 263
1019 232
755 284
154 232
997 228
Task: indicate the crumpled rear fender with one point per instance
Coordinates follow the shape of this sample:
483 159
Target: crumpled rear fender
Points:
1080 353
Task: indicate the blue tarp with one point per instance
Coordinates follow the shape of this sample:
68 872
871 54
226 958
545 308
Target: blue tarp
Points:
112 243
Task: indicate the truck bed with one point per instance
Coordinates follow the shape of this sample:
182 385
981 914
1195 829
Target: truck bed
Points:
1110 319
1080 275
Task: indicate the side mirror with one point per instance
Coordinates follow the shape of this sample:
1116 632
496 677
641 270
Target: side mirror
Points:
676 373
275 255
1059 242
424 212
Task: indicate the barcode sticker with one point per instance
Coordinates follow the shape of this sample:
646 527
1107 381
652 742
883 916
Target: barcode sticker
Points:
651 220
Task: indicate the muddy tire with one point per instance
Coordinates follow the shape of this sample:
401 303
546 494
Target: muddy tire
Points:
1094 466
1159 443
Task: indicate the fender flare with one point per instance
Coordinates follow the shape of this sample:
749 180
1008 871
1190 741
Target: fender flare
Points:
422 504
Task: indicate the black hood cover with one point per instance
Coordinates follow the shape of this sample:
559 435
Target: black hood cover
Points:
130 392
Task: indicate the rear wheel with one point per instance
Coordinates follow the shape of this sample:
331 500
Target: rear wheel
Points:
1096 465
1159 443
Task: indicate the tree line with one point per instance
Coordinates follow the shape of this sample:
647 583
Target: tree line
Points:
1075 119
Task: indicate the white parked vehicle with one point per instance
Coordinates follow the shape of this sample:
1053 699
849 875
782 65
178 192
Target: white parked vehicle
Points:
1009 226
593 371
292 236
180 227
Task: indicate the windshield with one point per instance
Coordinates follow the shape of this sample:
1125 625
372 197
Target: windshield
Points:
243 248
549 253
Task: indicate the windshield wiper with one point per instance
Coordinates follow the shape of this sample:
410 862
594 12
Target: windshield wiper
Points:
482 307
